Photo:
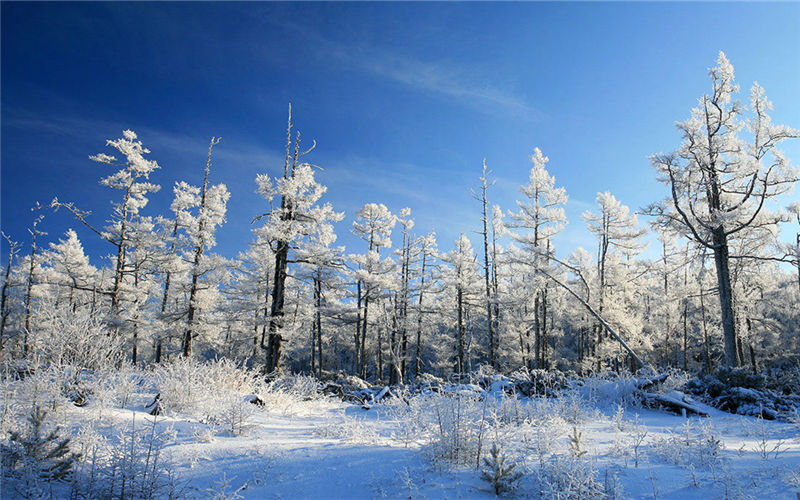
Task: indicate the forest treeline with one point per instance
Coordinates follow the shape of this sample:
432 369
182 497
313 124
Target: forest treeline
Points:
724 289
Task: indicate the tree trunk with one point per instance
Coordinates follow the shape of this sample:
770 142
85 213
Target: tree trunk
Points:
357 351
277 313
418 357
363 373
393 354
318 322
489 319
721 262
798 259
685 334
4 300
122 248
165 298
544 328
29 290
537 331
404 312
461 346
706 340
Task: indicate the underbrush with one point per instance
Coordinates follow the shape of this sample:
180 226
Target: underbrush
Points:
567 442
91 460
212 392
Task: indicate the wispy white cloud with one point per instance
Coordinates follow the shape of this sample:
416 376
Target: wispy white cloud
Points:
470 86
441 77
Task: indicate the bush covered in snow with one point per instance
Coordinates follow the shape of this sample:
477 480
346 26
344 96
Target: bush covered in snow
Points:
698 445
770 394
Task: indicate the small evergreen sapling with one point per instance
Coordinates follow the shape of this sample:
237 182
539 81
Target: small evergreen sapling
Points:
575 443
46 455
498 473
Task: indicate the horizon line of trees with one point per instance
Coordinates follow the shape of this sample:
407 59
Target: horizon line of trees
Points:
719 292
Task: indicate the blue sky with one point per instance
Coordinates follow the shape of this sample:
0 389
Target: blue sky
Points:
403 99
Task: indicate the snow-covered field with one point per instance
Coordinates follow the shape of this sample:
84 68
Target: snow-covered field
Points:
289 455
302 444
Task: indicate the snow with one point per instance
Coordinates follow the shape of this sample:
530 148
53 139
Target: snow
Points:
285 457
320 447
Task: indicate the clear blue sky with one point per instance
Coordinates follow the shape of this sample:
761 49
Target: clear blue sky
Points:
404 99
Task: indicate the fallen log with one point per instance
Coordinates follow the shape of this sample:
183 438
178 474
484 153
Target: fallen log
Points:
644 384
377 399
675 401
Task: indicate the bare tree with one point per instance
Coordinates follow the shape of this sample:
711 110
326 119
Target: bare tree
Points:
13 248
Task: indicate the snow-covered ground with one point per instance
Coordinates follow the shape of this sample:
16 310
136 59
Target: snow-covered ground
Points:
322 448
287 456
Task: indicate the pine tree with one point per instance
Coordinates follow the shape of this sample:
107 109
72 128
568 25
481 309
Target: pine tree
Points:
502 476
35 451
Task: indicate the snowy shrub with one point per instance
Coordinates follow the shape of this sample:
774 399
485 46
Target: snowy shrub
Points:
511 410
110 387
765 445
408 419
676 381
619 419
78 339
204 434
301 387
694 445
204 390
429 383
223 490
349 429
541 439
611 389
181 386
232 413
637 440
290 394
128 465
573 408
569 477
46 389
538 382
456 429
575 445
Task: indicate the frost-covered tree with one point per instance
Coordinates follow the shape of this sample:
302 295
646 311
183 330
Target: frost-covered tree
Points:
319 262
462 279
211 203
294 215
539 219
721 177
129 180
125 227
428 253
34 232
398 342
373 224
71 265
792 252
618 241
13 248
255 272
